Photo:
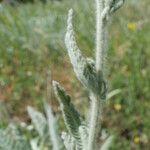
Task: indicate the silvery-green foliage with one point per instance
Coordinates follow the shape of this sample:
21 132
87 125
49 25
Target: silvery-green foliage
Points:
38 120
42 126
69 141
115 4
34 144
110 7
53 128
10 139
107 143
80 136
83 67
71 115
91 73
83 130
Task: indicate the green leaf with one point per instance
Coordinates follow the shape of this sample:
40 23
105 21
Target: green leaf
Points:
70 114
84 68
115 5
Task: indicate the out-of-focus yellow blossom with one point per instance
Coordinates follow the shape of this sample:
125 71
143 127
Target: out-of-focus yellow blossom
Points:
117 107
136 139
132 25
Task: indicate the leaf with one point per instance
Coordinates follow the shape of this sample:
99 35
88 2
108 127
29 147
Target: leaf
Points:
38 120
69 141
70 114
10 139
115 5
53 129
83 68
107 143
83 130
113 93
34 144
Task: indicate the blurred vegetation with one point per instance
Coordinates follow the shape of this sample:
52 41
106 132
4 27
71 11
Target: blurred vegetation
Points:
31 37
15 2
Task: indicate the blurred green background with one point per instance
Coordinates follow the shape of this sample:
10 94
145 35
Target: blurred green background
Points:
32 44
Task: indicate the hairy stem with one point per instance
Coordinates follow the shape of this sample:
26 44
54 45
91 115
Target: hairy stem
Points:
99 35
95 122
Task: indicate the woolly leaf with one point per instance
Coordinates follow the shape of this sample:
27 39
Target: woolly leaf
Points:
11 140
53 129
107 143
34 144
111 6
83 130
69 141
83 68
38 120
70 114
116 4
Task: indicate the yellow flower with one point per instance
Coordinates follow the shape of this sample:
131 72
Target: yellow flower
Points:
117 107
132 25
136 139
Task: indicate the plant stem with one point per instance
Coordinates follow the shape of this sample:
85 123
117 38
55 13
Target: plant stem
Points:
95 122
100 35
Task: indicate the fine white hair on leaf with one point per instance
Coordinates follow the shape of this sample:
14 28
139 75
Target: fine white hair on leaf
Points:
38 120
111 6
114 5
69 141
71 116
84 68
76 58
107 143
83 130
52 126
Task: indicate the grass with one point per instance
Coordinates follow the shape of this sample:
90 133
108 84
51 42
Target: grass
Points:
31 38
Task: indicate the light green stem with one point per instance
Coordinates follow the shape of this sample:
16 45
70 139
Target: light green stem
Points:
100 44
95 122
